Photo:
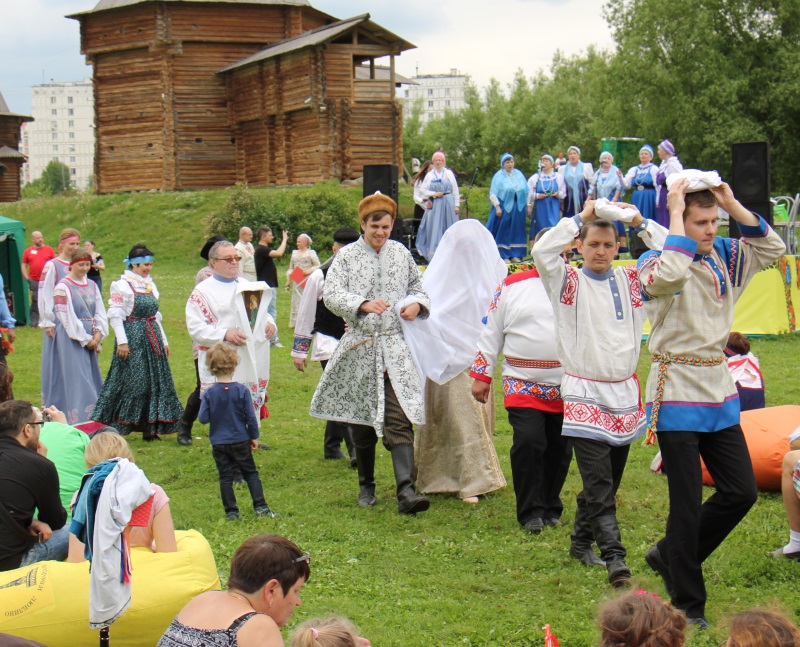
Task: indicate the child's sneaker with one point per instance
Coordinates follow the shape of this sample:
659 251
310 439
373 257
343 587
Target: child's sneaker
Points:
266 511
232 516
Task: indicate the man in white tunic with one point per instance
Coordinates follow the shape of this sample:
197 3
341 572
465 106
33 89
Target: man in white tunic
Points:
318 328
247 266
217 311
371 381
690 289
599 319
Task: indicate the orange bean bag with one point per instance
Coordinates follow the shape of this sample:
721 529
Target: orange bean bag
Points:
767 434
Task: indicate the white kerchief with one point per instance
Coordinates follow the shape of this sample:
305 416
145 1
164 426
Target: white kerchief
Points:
698 180
607 210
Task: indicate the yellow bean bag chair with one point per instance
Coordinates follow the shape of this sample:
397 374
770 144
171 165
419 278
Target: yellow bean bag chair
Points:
766 432
49 601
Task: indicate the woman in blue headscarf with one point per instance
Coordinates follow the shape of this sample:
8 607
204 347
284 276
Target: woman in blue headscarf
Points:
545 191
642 180
607 183
577 175
509 197
669 164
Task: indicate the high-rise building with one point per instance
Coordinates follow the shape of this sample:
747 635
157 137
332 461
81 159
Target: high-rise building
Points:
436 94
63 130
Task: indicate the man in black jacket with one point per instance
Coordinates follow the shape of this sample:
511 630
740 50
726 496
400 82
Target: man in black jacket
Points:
28 482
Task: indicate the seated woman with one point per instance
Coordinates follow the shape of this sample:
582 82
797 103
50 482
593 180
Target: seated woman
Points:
745 371
267 574
159 534
790 488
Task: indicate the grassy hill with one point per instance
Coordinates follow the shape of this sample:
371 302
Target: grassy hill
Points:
456 575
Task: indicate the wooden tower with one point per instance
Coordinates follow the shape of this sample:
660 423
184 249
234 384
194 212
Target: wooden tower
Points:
11 160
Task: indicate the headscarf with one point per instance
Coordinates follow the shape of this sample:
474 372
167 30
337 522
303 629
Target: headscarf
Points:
667 147
648 148
508 185
460 281
438 154
504 158
549 157
608 155
574 148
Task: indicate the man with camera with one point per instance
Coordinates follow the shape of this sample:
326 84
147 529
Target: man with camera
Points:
28 482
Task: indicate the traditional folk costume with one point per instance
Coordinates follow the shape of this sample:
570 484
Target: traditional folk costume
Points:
746 374
608 184
306 260
454 449
442 213
217 305
520 325
692 401
577 179
371 381
54 270
320 330
641 180
546 211
599 321
668 166
69 369
509 192
139 393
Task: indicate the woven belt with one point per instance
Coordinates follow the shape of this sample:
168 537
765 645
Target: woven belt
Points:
150 331
664 360
532 363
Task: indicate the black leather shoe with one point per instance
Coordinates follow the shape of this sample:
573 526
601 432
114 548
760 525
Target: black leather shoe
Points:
366 497
553 522
654 561
700 622
535 525
586 555
619 574
184 440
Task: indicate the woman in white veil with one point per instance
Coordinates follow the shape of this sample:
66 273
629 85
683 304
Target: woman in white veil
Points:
454 449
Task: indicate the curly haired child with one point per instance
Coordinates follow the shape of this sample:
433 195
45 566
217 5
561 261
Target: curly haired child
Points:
641 619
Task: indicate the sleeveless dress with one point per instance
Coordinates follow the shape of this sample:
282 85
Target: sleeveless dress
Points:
139 393
577 189
438 218
508 230
643 195
49 375
70 370
546 212
179 635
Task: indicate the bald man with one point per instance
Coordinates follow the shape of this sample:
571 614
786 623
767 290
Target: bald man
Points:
33 260
247 267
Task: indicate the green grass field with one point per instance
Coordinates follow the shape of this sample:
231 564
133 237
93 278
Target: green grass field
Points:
456 575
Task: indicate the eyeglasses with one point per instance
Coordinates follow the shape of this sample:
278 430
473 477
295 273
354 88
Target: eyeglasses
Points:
230 259
305 557
567 255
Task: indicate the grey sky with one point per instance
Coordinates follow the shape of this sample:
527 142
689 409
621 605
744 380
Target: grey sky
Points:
482 38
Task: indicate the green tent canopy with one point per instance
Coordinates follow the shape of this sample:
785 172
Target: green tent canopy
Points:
12 246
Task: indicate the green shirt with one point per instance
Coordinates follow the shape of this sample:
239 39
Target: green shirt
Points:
65 446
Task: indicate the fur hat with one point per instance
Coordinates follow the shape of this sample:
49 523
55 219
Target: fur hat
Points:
376 202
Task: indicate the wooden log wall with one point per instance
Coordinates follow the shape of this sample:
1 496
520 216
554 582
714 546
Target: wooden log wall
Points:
125 28
9 131
9 181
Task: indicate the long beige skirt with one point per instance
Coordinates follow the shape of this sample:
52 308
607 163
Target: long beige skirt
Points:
454 449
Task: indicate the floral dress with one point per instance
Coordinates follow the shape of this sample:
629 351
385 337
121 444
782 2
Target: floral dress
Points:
307 260
138 394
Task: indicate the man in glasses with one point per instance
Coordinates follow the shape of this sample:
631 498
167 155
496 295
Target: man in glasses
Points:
520 325
599 317
28 482
228 308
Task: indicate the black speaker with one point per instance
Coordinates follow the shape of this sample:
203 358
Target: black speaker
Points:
762 207
381 177
750 179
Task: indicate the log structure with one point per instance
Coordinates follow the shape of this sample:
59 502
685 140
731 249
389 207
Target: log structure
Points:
11 160
197 94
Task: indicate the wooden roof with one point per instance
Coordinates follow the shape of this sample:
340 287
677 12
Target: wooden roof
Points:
321 35
103 5
5 112
7 153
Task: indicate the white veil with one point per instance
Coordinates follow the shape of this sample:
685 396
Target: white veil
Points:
460 281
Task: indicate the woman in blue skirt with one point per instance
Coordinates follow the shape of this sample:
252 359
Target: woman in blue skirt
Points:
509 197
546 190
577 176
607 183
641 180
440 189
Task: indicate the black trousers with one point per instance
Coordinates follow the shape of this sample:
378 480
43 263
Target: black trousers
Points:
33 286
601 466
540 458
228 458
397 428
192 408
694 528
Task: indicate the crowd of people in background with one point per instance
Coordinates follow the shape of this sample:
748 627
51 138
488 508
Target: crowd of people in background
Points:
565 339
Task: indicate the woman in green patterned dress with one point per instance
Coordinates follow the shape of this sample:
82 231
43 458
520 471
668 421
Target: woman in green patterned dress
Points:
138 394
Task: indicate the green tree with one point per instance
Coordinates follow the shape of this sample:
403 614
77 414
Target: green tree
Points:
55 178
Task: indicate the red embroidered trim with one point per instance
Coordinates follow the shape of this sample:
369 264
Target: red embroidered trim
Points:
570 289
498 291
197 299
592 415
635 285
480 365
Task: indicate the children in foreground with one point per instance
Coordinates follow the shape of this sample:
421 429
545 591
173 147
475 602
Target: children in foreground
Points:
762 628
641 619
327 632
228 408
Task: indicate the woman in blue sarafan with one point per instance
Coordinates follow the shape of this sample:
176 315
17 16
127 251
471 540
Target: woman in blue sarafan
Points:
577 176
546 190
642 180
509 197
440 189
607 183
